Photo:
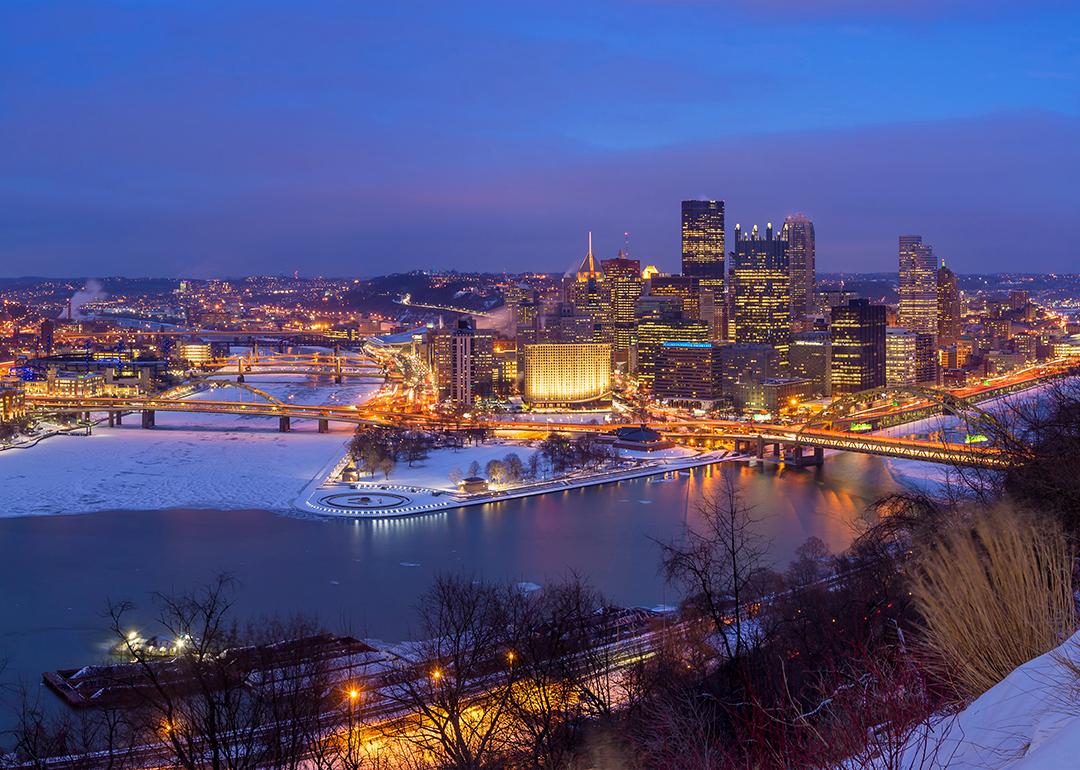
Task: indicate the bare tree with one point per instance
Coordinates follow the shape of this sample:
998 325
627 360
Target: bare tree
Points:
455 688
716 565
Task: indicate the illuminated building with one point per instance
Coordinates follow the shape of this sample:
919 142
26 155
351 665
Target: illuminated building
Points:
653 332
622 278
585 289
560 322
567 375
746 367
858 347
195 352
505 359
810 356
689 374
67 385
918 285
950 316
799 233
12 403
900 346
785 392
462 359
703 243
762 290
649 272
697 303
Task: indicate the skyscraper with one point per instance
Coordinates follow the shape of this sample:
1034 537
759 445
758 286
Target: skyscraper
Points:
463 360
585 289
900 355
918 285
858 347
799 233
703 242
950 322
761 282
622 286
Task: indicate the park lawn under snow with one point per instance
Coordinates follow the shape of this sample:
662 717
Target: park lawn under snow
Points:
187 461
434 472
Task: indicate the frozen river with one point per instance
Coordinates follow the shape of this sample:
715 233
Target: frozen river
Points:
175 506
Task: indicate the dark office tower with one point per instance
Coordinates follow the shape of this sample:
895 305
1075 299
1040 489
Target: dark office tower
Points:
761 282
858 347
799 233
703 243
918 285
463 362
950 319
622 285
48 330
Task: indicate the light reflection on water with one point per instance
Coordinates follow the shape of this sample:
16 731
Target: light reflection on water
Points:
364 576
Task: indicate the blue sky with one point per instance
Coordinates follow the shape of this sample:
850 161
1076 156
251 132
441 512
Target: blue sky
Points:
344 138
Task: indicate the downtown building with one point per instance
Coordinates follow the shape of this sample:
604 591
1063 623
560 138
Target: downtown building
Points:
858 347
798 231
703 253
586 291
761 287
462 360
623 287
950 312
689 374
810 358
567 375
661 320
918 285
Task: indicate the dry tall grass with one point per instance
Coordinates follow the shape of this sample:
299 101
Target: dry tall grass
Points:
994 594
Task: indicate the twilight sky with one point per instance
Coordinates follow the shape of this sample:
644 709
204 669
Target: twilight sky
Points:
200 137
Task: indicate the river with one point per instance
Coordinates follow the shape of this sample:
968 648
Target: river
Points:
363 577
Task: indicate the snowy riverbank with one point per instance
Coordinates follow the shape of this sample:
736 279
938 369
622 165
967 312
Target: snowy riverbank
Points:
187 461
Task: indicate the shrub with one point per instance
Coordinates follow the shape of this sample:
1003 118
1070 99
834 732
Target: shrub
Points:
994 594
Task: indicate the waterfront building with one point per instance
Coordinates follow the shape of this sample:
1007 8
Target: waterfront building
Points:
567 375
918 285
67 384
194 352
12 403
785 393
689 374
623 283
703 243
950 314
799 233
858 346
810 356
462 360
745 368
900 347
762 290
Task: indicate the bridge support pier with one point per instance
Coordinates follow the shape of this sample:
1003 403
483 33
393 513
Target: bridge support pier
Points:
760 451
338 379
240 377
148 418
324 426
119 418
112 419
284 425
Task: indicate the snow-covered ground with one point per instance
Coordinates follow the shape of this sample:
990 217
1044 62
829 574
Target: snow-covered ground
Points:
434 472
1028 721
188 460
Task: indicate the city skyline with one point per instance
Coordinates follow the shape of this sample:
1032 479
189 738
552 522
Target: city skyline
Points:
333 139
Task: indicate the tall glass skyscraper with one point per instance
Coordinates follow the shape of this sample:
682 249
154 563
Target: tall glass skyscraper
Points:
703 242
761 283
950 316
918 285
799 233
858 347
